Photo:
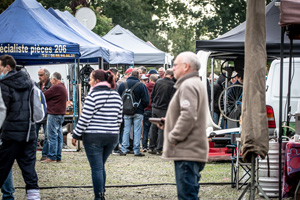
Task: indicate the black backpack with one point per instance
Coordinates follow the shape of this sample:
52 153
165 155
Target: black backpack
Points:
129 104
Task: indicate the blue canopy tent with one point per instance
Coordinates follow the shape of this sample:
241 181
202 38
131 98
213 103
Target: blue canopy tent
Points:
112 54
27 22
33 36
25 38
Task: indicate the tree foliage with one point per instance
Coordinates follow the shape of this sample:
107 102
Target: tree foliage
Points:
170 25
134 15
221 16
60 5
4 4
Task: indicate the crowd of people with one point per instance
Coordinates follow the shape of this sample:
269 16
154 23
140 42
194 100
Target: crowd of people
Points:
176 96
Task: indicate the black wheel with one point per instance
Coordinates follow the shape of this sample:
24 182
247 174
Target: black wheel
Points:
230 102
227 69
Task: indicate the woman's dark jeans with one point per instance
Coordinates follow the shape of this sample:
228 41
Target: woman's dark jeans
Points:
97 152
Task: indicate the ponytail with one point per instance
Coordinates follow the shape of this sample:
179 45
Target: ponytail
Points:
110 78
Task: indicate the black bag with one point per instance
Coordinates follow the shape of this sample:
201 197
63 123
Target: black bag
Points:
129 104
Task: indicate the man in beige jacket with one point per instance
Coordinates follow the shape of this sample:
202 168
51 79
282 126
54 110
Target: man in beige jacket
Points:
185 139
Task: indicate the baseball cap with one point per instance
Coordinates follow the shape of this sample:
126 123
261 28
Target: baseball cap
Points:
234 73
144 77
129 70
152 71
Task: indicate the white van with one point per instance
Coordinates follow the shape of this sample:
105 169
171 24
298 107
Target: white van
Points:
272 91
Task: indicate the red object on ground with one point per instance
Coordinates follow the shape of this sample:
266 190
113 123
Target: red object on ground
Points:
219 154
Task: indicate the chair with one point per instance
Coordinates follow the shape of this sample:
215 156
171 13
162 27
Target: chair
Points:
238 165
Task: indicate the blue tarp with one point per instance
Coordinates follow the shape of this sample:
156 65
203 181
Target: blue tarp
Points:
24 37
112 54
144 54
33 36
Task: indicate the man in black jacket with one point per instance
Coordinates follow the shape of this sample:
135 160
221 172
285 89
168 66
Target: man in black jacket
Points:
161 96
218 88
18 132
141 95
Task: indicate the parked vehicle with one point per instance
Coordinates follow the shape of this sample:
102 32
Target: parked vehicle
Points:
272 97
272 92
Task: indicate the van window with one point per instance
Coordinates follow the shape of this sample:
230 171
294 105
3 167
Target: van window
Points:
295 89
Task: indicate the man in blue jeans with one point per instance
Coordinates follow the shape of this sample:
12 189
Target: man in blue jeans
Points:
44 84
141 95
56 98
185 140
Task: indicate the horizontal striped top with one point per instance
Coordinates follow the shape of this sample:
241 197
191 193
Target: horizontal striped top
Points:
102 112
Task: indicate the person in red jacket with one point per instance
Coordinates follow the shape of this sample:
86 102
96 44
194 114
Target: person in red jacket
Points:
148 112
56 98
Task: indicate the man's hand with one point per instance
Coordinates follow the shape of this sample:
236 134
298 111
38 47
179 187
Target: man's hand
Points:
74 141
161 125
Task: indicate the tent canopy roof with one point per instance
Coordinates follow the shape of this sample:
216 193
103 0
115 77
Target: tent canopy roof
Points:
34 36
29 38
231 43
143 53
112 53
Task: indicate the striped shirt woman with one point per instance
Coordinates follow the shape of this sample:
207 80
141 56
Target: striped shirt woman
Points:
99 125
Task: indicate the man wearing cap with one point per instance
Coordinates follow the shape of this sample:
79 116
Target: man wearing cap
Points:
144 79
161 96
152 71
124 78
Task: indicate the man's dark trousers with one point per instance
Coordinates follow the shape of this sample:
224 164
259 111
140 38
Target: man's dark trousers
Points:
157 134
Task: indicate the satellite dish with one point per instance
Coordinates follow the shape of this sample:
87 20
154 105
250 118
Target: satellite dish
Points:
86 17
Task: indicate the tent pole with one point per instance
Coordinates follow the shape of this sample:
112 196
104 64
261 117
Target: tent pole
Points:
289 87
100 63
280 110
212 86
74 94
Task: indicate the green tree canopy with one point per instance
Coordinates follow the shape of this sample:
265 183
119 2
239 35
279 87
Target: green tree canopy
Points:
4 4
171 25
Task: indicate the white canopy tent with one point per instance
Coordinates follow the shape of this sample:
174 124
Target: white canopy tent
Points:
144 54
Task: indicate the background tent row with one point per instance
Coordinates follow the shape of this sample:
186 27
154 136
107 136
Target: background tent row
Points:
34 36
144 54
232 42
112 53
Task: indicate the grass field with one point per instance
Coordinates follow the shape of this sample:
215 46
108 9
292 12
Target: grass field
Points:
128 178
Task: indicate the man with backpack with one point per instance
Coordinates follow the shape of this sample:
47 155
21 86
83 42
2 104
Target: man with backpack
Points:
135 99
18 132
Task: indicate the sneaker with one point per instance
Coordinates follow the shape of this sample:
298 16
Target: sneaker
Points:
144 150
152 151
43 158
48 160
139 154
159 153
122 154
116 152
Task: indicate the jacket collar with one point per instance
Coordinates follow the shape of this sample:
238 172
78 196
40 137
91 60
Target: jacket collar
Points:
183 78
132 78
